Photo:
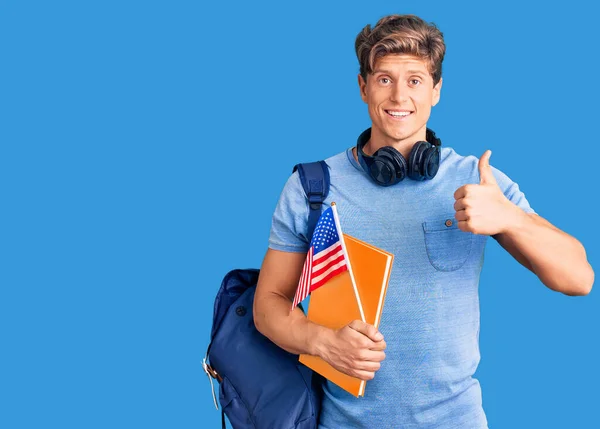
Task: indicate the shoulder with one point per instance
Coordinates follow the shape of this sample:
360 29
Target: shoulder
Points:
293 195
463 168
334 164
339 166
466 170
341 161
467 166
456 160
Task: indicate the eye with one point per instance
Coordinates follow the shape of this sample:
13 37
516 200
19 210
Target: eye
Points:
384 80
415 82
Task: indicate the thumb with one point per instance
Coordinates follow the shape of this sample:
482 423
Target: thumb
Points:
369 331
485 171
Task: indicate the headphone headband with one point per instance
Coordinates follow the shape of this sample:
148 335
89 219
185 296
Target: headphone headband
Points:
387 166
432 138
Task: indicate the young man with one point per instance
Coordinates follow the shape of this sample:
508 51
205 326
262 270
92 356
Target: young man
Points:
436 222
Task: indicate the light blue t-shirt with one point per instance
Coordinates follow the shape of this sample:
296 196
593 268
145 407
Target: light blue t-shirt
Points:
430 319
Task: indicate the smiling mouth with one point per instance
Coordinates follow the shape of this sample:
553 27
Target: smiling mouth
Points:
398 114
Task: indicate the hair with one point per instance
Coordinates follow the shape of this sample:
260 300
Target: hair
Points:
401 34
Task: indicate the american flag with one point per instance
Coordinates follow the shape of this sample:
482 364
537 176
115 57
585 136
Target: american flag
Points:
325 258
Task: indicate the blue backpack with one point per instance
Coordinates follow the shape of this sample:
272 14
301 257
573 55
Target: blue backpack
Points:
260 384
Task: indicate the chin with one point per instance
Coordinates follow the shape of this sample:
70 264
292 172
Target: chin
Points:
398 135
404 132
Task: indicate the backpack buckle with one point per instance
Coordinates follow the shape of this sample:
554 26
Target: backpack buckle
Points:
315 200
211 371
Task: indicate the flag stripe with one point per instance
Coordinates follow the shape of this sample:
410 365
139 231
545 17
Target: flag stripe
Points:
321 259
317 271
304 284
304 277
298 291
318 278
324 252
325 257
300 284
330 275
306 290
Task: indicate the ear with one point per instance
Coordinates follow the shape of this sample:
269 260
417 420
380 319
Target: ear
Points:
363 88
435 96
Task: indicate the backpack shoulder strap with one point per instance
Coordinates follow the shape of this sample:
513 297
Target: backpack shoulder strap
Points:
315 181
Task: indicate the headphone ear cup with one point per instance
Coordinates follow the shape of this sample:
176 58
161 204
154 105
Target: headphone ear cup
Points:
416 167
431 162
389 166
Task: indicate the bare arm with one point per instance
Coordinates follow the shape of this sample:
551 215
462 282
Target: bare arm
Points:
356 349
275 291
558 259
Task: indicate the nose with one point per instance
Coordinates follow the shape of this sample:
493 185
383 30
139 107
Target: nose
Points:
398 92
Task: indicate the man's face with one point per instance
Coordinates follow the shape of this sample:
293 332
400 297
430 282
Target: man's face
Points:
400 94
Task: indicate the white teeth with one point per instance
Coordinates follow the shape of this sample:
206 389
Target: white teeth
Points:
398 113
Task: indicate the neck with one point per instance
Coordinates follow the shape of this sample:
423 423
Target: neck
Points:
404 146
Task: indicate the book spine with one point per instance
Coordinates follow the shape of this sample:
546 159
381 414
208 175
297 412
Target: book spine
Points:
339 228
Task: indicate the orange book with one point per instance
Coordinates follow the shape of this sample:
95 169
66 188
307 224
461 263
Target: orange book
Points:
335 305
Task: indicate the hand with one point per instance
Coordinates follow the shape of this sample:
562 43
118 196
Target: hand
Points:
483 209
356 350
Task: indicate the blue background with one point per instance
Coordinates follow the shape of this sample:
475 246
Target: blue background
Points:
143 149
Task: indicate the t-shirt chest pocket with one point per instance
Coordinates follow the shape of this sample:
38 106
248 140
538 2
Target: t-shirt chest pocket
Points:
448 247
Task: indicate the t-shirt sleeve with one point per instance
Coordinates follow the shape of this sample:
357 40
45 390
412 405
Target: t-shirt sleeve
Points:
290 219
511 191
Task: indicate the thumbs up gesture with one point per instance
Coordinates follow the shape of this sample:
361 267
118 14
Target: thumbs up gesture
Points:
483 208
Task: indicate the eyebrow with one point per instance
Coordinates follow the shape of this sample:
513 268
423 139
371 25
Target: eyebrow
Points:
421 72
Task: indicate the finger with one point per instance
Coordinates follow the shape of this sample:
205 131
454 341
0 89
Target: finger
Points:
485 171
378 345
365 365
460 204
459 193
371 356
464 226
464 190
363 375
461 215
369 331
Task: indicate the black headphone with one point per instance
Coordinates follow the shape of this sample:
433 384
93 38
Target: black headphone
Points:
387 166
